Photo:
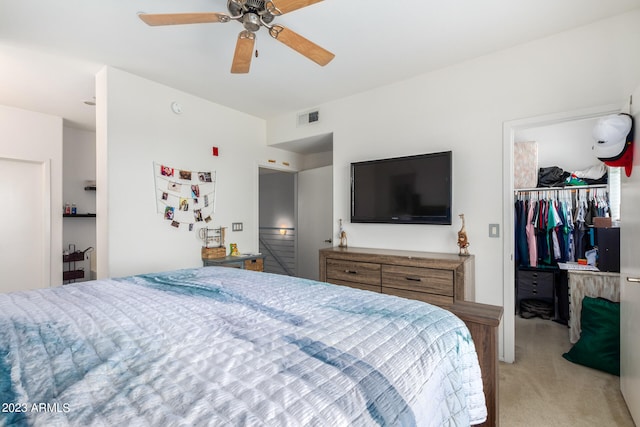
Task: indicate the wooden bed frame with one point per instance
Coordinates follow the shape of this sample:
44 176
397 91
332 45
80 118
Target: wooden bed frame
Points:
482 321
446 280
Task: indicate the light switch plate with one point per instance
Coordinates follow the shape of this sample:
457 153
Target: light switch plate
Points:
236 226
494 230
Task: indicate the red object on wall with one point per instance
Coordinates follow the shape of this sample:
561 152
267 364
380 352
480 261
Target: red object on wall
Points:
615 135
626 159
214 151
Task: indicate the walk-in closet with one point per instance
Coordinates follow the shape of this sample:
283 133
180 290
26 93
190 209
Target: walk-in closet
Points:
566 210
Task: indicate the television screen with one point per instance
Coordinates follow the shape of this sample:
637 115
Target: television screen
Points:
403 190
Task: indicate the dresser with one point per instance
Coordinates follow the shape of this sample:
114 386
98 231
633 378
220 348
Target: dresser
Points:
537 284
436 278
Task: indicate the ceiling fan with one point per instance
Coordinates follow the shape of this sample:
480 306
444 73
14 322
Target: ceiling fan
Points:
253 14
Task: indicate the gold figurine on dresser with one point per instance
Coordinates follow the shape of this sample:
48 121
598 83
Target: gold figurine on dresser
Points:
463 242
343 236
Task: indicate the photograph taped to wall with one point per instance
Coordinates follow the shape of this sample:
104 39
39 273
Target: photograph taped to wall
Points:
166 170
186 175
174 186
169 212
204 176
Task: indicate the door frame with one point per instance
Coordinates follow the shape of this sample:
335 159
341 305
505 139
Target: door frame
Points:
507 343
277 168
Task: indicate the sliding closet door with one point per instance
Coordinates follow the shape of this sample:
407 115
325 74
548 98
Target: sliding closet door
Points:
24 225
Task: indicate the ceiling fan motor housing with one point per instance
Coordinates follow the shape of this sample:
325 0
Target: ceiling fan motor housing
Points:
255 4
251 21
252 13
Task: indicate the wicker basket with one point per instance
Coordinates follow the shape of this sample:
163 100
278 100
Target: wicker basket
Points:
254 264
213 253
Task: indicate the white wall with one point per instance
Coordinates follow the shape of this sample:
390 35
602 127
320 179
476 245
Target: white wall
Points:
463 108
136 127
317 160
37 137
568 145
79 166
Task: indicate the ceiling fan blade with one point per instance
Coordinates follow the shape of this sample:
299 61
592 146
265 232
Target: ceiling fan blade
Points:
301 45
280 7
183 18
243 53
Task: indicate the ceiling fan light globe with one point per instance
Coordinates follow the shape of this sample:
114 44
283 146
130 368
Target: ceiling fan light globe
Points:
251 22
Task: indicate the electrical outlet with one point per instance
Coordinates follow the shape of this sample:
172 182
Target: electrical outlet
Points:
236 226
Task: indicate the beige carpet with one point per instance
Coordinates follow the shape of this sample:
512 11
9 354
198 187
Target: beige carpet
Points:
543 389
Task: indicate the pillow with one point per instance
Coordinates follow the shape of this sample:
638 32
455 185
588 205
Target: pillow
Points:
599 343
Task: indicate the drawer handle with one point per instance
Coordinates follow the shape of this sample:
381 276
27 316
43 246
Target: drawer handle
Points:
414 279
633 279
351 271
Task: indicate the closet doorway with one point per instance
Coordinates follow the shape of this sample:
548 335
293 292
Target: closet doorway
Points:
563 140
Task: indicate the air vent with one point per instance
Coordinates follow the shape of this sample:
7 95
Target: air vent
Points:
308 117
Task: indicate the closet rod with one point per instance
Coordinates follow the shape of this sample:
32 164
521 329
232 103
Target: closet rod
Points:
571 187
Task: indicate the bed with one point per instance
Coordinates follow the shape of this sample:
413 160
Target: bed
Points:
223 346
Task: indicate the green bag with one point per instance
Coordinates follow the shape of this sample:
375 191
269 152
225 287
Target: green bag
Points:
599 343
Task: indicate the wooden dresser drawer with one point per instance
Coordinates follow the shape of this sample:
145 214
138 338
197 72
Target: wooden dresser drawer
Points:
435 299
418 279
353 271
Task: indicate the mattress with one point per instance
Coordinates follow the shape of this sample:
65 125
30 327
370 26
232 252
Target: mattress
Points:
220 346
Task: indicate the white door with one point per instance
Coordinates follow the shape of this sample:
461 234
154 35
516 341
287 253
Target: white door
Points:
24 225
630 280
315 218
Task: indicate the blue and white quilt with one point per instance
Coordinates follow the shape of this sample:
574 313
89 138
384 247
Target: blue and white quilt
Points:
226 347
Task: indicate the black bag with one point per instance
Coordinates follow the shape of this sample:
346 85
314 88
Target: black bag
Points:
552 176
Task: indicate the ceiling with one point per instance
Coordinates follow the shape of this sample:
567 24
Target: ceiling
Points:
51 50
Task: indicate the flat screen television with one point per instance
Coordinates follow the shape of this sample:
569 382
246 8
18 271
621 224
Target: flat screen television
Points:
403 190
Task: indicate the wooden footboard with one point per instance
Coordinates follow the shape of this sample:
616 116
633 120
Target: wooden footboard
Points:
482 321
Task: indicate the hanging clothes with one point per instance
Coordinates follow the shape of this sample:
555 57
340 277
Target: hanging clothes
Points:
522 250
554 226
531 236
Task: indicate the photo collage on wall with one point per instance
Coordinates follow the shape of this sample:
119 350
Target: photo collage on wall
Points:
185 198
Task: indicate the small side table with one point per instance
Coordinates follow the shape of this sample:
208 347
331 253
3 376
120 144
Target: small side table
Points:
247 262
